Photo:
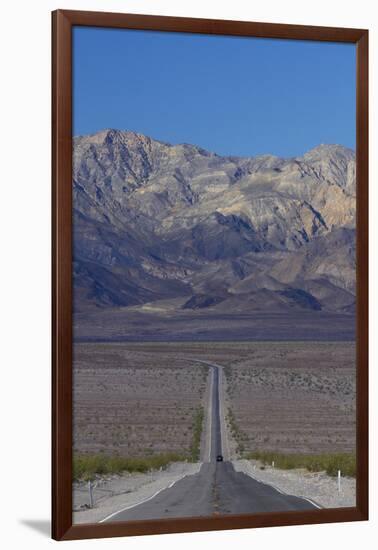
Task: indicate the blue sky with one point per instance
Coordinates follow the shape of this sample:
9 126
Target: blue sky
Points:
234 96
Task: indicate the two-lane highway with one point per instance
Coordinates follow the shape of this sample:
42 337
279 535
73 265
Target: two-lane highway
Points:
215 433
217 488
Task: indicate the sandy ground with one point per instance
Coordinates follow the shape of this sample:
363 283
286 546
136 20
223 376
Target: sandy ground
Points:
114 493
293 397
135 400
316 486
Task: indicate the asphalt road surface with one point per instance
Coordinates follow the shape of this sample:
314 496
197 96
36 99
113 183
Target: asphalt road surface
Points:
216 489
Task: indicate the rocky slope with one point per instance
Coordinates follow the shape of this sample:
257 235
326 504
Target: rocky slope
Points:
159 222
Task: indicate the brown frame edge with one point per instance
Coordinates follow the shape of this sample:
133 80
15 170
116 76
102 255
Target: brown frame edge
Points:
62 22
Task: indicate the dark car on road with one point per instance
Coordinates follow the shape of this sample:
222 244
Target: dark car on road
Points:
219 458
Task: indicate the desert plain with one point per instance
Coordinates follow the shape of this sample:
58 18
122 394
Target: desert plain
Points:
138 399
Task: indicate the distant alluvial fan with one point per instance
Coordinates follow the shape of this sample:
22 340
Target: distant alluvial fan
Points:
155 221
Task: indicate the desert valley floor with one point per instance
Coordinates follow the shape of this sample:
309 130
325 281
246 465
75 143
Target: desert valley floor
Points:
135 399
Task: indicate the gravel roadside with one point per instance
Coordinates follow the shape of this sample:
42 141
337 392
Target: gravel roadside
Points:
222 413
316 486
206 432
116 492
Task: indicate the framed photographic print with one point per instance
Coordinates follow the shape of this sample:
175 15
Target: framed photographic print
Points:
210 183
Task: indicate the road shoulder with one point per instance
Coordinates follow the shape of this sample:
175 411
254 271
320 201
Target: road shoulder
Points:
114 493
317 487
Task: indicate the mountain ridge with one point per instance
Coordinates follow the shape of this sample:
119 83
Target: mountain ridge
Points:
111 132
156 222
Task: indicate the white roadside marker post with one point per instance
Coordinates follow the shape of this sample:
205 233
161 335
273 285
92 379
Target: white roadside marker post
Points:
90 491
273 464
339 481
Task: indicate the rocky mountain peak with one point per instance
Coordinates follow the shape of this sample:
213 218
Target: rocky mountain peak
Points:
335 163
334 151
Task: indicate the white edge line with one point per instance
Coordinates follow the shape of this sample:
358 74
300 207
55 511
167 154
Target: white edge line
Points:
146 499
283 492
313 502
210 413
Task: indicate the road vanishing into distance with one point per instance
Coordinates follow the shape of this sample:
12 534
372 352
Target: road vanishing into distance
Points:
217 489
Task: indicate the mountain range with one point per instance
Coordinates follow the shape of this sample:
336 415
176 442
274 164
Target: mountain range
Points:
169 236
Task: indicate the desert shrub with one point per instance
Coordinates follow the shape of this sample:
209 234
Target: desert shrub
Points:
86 467
328 462
238 435
197 432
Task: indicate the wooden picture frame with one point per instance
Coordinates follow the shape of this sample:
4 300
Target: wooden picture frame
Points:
62 23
